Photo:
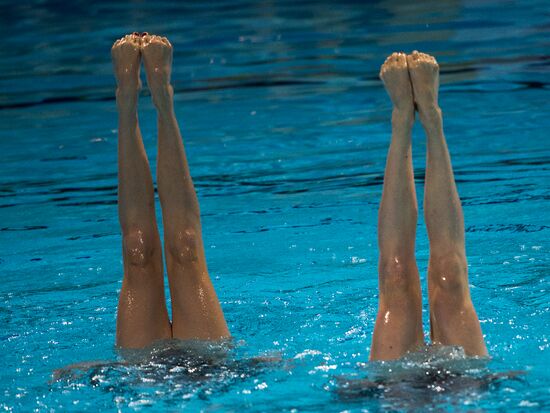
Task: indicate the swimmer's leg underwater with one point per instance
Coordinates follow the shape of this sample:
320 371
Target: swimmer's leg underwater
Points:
142 316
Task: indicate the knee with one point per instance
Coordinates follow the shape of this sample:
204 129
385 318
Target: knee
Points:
448 277
139 247
397 275
184 246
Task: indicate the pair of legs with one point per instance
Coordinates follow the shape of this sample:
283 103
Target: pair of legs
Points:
142 315
413 81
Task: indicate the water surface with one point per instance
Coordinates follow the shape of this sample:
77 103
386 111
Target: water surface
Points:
286 127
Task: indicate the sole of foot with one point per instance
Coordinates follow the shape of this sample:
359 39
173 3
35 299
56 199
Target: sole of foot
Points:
394 73
424 75
126 54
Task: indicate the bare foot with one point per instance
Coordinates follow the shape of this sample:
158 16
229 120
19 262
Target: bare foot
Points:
157 59
424 73
395 76
126 54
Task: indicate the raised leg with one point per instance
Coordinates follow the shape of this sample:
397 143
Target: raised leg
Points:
452 315
398 327
142 316
196 311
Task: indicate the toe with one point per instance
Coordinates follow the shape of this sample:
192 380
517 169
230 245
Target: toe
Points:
401 58
390 62
154 39
429 60
426 57
136 40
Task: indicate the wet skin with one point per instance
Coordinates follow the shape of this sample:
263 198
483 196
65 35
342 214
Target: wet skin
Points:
142 315
412 83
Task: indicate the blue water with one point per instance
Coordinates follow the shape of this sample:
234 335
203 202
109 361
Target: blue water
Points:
286 127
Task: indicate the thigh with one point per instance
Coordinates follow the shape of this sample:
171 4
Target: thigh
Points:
142 317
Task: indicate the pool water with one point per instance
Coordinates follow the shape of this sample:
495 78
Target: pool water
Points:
286 128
